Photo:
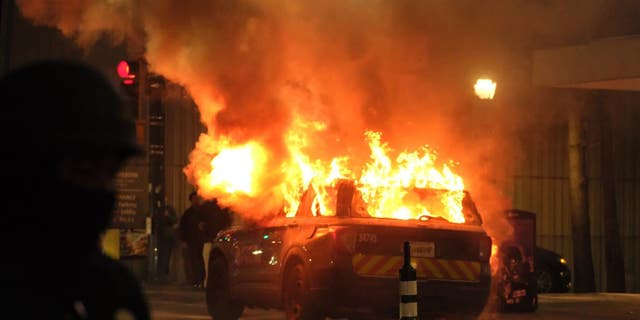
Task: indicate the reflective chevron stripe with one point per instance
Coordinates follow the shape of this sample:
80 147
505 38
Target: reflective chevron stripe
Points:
426 268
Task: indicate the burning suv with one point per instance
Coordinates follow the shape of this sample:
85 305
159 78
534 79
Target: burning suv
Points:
342 260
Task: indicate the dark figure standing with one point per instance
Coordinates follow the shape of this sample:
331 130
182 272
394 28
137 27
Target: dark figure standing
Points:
69 135
214 218
164 222
193 241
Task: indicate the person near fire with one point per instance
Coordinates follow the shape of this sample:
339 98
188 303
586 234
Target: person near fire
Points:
164 222
213 218
70 133
193 242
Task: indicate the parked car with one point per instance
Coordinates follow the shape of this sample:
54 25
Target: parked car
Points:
552 272
313 266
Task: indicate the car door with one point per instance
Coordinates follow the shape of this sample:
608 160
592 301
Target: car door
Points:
270 253
284 234
259 251
247 244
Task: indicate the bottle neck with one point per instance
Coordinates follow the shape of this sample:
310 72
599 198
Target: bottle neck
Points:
407 253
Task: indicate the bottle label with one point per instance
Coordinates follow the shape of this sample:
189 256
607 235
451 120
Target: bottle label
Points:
408 288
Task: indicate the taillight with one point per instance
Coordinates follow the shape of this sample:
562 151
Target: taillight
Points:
484 253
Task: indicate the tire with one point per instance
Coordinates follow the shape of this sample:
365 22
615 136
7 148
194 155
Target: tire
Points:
544 280
220 304
297 302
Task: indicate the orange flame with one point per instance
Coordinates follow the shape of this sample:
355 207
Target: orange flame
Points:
388 187
494 261
228 168
233 169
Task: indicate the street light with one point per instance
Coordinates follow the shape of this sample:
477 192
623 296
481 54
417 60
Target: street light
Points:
485 88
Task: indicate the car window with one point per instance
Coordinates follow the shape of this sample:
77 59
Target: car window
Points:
345 200
430 198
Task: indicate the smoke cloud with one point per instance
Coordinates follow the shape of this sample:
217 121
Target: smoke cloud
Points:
405 68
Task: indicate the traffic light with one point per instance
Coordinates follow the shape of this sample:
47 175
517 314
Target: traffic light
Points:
129 72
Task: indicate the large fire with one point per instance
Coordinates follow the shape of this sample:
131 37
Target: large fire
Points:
284 88
386 185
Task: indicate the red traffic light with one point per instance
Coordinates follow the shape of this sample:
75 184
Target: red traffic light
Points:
125 72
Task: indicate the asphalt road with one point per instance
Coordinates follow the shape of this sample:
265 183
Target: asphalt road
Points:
170 302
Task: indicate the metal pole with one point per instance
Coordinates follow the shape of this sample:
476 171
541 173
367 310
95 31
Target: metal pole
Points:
154 90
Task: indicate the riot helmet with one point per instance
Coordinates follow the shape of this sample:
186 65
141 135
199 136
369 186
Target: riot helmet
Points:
66 107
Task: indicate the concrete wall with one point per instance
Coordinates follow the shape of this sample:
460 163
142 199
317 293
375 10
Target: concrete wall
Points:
610 63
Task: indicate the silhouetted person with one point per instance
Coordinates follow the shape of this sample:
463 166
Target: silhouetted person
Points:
214 218
164 221
191 237
65 135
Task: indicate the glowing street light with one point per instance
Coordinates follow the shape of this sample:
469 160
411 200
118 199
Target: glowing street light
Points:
485 88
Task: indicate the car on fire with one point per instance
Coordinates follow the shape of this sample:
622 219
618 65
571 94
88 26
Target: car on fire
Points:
314 266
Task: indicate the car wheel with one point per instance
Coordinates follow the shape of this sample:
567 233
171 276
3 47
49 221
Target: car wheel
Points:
296 301
220 304
544 280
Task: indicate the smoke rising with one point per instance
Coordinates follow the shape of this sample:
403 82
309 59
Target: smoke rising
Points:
405 68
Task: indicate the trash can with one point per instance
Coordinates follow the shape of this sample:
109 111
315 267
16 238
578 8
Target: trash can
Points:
517 285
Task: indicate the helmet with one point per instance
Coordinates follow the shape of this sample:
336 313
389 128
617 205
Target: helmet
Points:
65 107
